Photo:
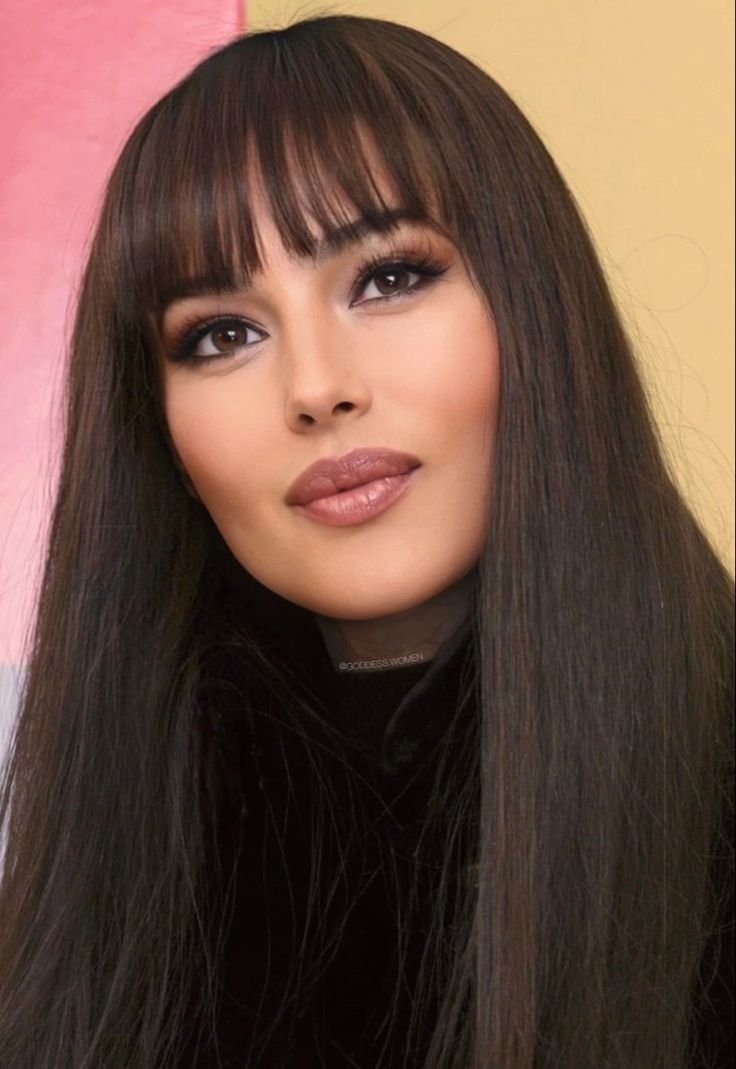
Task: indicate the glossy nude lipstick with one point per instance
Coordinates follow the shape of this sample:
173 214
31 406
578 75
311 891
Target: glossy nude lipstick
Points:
341 491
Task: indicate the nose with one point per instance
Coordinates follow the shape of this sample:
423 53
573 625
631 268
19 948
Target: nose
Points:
323 381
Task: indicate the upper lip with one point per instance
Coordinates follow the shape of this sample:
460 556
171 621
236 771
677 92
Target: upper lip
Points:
332 474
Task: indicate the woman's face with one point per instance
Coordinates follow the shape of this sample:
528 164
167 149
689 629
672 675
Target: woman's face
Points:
311 362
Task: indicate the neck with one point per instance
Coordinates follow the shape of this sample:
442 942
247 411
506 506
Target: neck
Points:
416 634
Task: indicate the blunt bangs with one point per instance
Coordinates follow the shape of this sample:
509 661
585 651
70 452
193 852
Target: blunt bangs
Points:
313 126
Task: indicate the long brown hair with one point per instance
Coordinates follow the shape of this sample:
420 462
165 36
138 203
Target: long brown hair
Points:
598 791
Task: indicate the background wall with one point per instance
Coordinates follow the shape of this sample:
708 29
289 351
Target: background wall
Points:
634 100
74 78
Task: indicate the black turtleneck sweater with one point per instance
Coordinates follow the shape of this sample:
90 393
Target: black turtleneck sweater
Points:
391 723
394 725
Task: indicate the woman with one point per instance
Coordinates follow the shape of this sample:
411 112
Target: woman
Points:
429 773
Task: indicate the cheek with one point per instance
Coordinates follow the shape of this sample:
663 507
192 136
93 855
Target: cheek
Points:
210 436
453 374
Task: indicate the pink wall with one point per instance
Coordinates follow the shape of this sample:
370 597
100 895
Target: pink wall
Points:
74 78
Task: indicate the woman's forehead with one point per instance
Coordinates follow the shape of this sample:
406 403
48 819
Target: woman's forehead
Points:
316 191
347 224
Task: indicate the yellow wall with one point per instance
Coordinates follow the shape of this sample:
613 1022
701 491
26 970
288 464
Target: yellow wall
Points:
634 101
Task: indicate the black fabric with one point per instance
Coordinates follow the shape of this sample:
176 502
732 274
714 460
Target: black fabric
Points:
392 723
392 726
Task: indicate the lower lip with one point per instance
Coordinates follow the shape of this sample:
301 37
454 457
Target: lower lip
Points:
359 504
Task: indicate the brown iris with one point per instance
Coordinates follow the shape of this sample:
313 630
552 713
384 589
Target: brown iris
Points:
228 338
396 275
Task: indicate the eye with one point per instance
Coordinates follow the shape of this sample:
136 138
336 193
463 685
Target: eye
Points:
394 279
214 338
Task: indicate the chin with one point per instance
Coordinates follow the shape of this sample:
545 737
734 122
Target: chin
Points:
363 587
366 609
373 601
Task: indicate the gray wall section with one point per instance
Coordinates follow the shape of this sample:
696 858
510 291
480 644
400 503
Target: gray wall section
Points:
11 680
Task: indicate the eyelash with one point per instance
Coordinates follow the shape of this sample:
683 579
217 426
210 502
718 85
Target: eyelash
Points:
188 336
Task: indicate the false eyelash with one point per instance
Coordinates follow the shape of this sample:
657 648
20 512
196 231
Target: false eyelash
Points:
180 349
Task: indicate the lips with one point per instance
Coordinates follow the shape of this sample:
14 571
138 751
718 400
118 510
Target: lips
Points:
333 474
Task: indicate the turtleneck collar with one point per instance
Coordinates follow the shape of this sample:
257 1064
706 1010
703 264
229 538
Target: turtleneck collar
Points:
395 715
392 717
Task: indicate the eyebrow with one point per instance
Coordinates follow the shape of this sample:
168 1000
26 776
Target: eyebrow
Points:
335 240
339 238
